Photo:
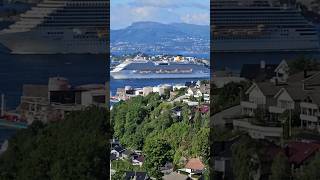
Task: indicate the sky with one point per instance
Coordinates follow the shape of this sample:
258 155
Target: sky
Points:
125 12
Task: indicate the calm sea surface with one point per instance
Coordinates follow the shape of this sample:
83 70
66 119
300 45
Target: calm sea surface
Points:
234 61
16 70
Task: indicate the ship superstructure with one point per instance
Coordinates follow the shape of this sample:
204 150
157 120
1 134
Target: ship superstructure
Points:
139 68
60 26
260 25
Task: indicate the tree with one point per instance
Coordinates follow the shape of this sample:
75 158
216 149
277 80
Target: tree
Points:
74 148
157 152
244 158
301 64
185 113
200 143
280 168
311 171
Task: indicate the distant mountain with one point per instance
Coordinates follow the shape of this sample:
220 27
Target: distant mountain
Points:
157 37
148 32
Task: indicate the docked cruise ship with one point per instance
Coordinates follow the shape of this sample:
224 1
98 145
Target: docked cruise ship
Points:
139 68
60 26
260 25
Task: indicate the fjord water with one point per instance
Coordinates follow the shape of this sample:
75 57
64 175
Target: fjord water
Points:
16 70
234 61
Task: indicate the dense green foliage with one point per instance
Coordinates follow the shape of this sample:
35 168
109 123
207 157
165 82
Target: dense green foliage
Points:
227 96
157 152
74 148
149 122
311 171
280 168
302 63
245 158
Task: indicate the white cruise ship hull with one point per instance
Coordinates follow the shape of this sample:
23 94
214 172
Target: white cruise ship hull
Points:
132 75
33 42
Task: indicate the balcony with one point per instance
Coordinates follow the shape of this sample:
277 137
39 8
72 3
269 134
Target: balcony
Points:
275 109
306 117
258 131
308 105
249 105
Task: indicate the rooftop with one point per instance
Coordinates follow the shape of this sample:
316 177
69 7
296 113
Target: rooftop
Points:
195 164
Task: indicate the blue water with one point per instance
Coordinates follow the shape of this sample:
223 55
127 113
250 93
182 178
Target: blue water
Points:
16 70
6 133
234 61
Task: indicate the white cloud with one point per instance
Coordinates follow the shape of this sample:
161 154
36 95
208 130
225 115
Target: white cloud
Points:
163 11
196 18
124 15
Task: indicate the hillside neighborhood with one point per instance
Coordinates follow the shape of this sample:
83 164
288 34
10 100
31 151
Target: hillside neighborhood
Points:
177 115
273 120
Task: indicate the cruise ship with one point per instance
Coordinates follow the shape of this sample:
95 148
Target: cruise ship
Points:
260 25
60 26
139 68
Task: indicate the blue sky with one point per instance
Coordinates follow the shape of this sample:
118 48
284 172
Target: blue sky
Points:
125 12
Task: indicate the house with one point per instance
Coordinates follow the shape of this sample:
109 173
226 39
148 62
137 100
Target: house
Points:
167 168
205 91
175 176
194 166
204 109
281 73
117 151
260 95
299 153
194 92
126 154
113 157
133 175
297 93
176 111
53 101
137 160
310 106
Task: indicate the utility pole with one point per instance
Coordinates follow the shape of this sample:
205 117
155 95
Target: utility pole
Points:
2 105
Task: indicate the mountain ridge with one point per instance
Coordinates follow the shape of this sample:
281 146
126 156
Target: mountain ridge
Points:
154 37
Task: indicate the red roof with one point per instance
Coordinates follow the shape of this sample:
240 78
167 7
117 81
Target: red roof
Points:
195 164
298 152
204 109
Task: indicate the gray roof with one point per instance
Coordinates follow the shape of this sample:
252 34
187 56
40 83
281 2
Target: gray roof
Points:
313 80
269 88
175 176
137 175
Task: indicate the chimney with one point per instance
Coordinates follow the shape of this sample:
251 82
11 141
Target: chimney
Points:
262 64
